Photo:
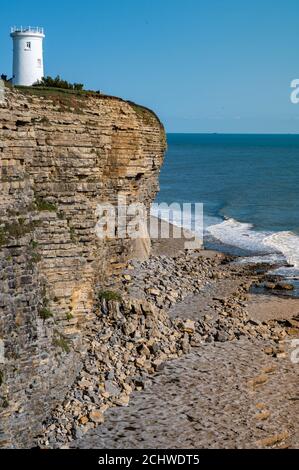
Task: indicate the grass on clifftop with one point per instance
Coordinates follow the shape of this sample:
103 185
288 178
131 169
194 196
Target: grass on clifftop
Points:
52 91
74 100
67 100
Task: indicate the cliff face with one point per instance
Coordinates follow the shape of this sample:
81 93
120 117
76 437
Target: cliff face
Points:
61 155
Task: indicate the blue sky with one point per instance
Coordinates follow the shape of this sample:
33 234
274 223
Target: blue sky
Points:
202 65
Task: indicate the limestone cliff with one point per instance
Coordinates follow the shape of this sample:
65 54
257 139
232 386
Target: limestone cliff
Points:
61 155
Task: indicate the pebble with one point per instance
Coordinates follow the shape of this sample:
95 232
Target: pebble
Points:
96 416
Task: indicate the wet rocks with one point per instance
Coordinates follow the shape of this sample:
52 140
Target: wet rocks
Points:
282 286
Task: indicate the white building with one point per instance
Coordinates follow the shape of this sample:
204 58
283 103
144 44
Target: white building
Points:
28 65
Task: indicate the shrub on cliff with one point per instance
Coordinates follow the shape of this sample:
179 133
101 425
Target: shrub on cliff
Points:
110 295
57 82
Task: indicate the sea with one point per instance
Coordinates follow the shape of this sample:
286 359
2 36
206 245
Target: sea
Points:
249 188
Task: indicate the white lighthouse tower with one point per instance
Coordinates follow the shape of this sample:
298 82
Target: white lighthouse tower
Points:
28 65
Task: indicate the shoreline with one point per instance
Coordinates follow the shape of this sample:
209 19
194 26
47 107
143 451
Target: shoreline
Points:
176 304
213 246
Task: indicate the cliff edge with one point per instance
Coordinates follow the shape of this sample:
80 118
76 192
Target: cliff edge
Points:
62 154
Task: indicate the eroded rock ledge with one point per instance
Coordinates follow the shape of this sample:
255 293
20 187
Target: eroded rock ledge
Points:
61 155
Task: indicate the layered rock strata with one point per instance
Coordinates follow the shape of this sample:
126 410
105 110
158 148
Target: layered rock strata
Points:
61 156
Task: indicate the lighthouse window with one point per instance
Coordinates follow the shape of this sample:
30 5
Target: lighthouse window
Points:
28 45
39 63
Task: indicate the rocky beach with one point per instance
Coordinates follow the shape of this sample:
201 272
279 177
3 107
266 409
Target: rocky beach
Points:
121 342
182 354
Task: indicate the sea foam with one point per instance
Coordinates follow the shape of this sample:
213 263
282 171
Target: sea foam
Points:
267 247
262 246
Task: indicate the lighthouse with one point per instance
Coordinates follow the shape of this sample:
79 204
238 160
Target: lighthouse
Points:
28 65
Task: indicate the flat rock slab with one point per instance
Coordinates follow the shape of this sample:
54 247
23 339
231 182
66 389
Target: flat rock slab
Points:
194 307
228 395
271 307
